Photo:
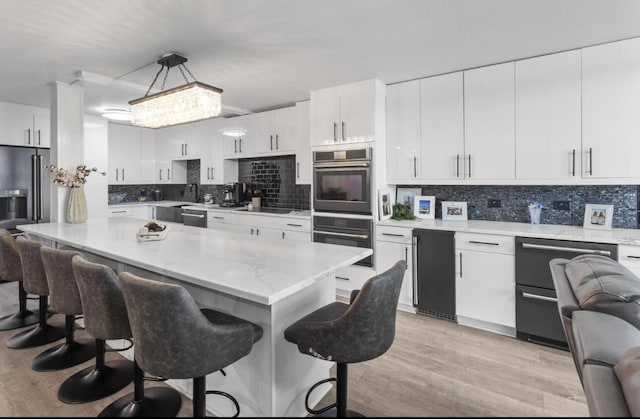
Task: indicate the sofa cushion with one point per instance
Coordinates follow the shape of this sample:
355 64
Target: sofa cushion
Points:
628 372
603 392
602 284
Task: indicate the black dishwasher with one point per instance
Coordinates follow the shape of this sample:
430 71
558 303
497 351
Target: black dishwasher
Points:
537 317
434 273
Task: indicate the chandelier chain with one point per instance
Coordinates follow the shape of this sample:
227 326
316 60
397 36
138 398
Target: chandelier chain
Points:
154 81
187 68
164 81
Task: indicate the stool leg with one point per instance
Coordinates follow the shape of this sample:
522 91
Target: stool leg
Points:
68 354
341 390
199 397
23 317
40 335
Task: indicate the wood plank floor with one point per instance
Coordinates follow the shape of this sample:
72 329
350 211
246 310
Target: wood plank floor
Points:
434 368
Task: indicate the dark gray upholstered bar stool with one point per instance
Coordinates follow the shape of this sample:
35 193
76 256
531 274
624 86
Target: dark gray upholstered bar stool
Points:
10 271
165 322
35 282
105 318
65 299
350 333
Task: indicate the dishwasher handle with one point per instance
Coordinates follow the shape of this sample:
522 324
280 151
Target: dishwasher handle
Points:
414 272
566 249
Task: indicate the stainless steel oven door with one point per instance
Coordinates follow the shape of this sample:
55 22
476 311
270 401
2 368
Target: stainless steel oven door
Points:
343 189
344 238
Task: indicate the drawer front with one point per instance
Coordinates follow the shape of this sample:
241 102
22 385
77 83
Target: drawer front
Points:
218 217
394 234
296 224
486 243
629 256
256 220
120 212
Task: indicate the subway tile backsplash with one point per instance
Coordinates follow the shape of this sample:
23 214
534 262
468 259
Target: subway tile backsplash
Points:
514 200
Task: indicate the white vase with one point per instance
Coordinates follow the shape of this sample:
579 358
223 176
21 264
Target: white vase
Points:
77 206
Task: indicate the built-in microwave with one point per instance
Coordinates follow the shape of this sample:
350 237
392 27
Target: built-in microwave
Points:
342 181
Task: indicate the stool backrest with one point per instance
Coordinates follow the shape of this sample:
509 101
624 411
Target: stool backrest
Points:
10 263
105 312
65 297
33 275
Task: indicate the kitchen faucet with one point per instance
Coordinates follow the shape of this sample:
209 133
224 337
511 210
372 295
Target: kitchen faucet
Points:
191 186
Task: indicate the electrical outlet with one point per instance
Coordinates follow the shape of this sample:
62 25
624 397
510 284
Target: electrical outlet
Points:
494 203
561 205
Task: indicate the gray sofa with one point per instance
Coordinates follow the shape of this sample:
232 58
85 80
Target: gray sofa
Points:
599 305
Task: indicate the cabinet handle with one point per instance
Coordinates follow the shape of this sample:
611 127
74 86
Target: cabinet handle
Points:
406 258
277 147
257 231
415 172
160 174
182 149
186 149
39 138
633 257
590 161
213 173
123 175
344 136
457 165
298 170
116 175
271 141
460 264
487 243
539 297
218 218
295 225
393 234
414 273
344 278
235 145
29 136
469 165
118 212
208 173
168 174
240 143
335 126
252 232
283 234
573 171
566 249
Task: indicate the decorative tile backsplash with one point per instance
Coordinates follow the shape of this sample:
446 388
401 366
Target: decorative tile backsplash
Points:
514 201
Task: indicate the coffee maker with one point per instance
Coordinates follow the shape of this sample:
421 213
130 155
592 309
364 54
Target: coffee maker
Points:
233 194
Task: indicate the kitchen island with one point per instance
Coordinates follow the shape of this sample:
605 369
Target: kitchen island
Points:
269 283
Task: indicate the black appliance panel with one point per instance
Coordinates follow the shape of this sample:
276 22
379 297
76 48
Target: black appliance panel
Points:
434 273
345 232
194 218
172 214
538 317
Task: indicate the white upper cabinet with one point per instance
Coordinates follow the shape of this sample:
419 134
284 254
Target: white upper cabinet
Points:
442 127
275 131
610 109
147 155
184 142
242 142
489 122
403 132
346 114
214 169
548 112
303 144
22 125
124 154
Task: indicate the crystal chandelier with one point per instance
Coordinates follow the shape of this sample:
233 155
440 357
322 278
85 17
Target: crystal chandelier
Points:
193 101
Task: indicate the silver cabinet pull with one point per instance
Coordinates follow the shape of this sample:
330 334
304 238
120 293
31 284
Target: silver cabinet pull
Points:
34 180
168 174
271 141
277 148
257 231
344 137
457 165
252 232
184 214
294 225
29 136
573 171
460 264
298 170
415 167
357 236
123 174
240 143
415 270
186 149
283 234
566 249
235 145
539 297
160 174
335 126
208 173
344 278
633 257
38 189
393 234
118 212
218 218
39 138
469 165
590 161
213 173
182 149
486 243
406 258
116 174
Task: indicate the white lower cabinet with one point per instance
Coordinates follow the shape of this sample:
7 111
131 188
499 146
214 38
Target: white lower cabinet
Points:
485 282
629 257
352 278
143 212
120 212
271 227
394 244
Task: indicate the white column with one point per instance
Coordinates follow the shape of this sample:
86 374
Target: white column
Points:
96 151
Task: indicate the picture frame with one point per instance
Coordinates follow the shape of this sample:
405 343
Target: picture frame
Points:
598 216
407 196
454 211
424 207
384 204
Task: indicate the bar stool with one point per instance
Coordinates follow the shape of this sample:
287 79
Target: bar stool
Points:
175 339
35 282
11 271
105 318
65 299
343 333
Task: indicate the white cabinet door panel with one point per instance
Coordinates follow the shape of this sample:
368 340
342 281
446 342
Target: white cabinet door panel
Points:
387 254
403 131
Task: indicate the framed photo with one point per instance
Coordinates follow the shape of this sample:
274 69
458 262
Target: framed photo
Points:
454 211
407 196
598 216
425 207
384 204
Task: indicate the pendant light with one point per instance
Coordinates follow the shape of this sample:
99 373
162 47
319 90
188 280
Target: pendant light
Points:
193 101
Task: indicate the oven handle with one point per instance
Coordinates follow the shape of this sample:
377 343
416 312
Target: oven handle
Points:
539 297
338 165
184 214
356 236
565 249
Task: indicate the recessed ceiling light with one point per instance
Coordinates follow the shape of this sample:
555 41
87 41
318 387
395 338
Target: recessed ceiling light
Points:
117 115
232 132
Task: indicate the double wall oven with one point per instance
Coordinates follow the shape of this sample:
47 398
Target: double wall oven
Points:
342 191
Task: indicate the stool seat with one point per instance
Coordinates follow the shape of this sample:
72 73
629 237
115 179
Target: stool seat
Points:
328 313
225 319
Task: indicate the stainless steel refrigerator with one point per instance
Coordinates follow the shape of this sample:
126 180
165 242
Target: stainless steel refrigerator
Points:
25 186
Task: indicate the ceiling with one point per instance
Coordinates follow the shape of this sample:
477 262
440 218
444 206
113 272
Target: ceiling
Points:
268 54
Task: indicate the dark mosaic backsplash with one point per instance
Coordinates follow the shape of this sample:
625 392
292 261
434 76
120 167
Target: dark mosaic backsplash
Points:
515 199
276 178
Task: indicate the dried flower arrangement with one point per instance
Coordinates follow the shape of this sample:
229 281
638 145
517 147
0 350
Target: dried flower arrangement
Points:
64 178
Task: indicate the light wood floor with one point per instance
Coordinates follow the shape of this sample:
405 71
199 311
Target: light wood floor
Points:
434 368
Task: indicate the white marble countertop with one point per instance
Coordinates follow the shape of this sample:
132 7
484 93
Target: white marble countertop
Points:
545 231
256 269
153 203
270 212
